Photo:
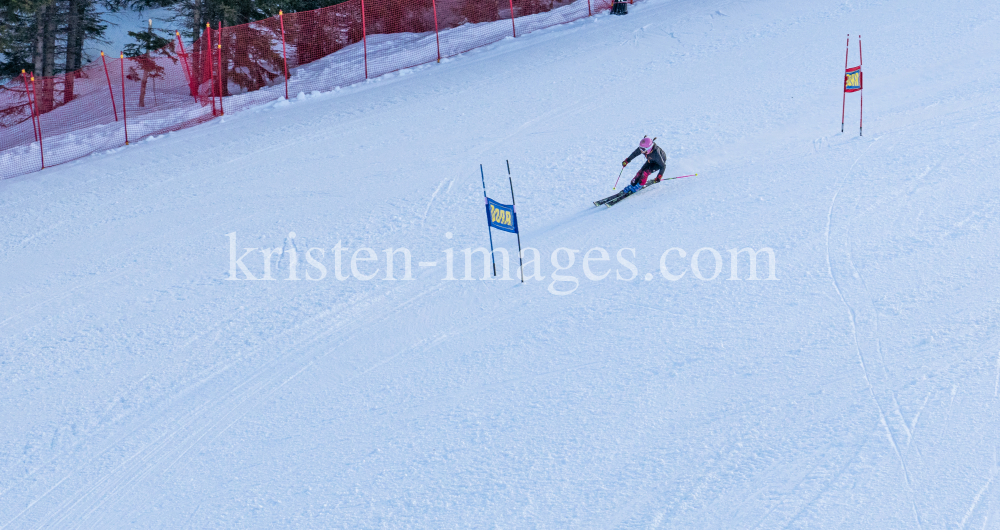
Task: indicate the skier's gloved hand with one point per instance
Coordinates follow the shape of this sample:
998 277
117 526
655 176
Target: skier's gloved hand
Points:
624 163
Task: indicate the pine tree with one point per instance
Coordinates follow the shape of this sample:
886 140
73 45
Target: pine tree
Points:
144 52
17 33
46 37
251 57
81 22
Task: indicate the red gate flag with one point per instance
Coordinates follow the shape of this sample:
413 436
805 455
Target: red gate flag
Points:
853 79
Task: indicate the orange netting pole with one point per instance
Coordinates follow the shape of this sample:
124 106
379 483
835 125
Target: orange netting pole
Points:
199 72
436 35
110 91
284 55
364 36
184 62
222 111
36 115
512 26
211 74
31 108
124 112
41 148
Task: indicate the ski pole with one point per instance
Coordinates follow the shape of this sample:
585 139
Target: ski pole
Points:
681 177
619 178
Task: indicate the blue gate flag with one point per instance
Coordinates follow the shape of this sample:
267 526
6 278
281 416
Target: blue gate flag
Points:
501 216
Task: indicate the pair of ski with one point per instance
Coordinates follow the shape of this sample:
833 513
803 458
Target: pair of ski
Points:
621 195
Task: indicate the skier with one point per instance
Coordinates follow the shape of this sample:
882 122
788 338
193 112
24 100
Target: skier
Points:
655 160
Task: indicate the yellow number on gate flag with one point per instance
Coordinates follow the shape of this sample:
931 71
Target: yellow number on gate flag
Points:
501 216
852 81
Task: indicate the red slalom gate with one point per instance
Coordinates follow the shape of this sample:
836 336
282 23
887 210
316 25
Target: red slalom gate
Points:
176 87
853 82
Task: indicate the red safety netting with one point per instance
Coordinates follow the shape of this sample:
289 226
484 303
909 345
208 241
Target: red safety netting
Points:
117 100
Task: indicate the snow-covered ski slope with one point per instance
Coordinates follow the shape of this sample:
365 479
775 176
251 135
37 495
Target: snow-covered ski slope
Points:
142 389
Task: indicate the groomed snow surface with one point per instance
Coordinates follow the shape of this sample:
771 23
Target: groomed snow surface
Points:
144 389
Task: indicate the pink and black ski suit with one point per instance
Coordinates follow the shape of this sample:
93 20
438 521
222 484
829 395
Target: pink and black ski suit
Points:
656 159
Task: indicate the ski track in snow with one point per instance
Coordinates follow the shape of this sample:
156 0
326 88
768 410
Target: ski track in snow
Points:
996 382
857 345
430 202
976 499
173 445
